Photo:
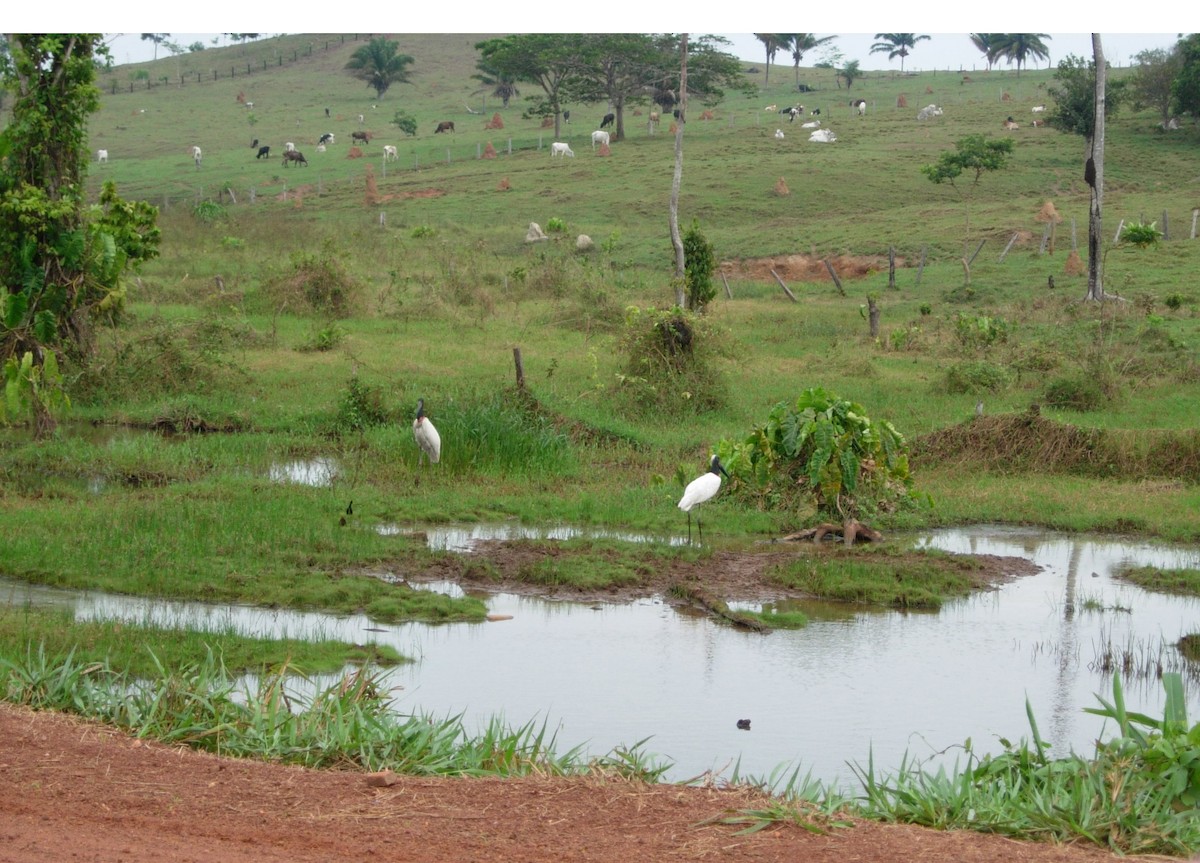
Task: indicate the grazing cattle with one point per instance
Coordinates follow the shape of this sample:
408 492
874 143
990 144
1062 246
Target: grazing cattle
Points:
289 147
254 143
608 120
1037 109
567 117
929 111
263 153
359 136
444 126
811 124
294 156
770 107
823 136
1010 124
779 133
859 105
599 137
327 138
558 148
249 104
102 155
196 156
794 112
1038 123
389 153
815 112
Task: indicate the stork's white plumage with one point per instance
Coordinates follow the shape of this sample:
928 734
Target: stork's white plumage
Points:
428 439
699 490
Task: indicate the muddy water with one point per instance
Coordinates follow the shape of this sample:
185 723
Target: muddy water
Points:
852 683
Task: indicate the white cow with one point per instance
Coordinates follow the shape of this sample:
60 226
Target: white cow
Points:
1037 109
823 136
389 153
289 146
102 155
929 111
811 124
600 137
559 148
320 148
861 106
779 133
196 156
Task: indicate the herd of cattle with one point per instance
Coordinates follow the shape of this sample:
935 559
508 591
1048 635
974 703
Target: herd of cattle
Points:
600 137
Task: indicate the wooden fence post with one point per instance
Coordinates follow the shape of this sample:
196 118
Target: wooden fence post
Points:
1006 248
791 296
833 275
520 368
728 293
891 268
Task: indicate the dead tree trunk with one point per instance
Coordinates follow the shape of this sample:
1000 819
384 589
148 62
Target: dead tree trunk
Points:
1093 173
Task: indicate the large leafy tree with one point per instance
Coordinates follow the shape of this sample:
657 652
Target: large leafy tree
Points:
1154 77
555 62
627 69
1185 92
62 263
896 45
1074 94
801 43
1020 47
380 64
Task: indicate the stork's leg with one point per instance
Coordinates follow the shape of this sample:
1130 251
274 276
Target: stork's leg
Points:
689 515
700 528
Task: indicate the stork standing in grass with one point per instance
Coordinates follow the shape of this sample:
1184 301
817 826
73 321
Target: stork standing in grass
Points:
428 439
699 490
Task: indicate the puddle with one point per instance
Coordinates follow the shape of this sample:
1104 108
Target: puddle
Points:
852 683
464 537
319 472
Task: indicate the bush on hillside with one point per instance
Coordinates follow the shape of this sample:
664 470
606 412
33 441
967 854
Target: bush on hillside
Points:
670 366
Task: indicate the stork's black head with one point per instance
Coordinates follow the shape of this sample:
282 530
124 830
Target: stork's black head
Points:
420 408
715 466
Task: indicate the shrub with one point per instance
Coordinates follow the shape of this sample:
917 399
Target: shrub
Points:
314 283
360 407
977 377
1076 393
1174 302
669 364
700 261
208 212
555 225
405 122
980 331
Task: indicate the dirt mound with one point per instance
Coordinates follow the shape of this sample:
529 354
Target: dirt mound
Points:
806 268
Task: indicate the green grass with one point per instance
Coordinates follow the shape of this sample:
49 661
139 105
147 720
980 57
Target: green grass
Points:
126 646
1185 582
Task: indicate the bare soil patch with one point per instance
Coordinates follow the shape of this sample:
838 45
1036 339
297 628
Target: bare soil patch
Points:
806 268
74 790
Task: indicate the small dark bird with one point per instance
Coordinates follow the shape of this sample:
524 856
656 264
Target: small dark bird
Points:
743 724
349 511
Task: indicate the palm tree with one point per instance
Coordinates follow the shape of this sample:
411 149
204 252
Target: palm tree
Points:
896 45
986 43
380 64
850 71
503 84
772 42
1021 46
801 44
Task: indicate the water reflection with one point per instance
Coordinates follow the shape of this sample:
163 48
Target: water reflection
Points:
465 537
320 471
853 683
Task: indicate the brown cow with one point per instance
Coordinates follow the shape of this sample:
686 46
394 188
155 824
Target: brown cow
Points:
444 126
294 156
360 136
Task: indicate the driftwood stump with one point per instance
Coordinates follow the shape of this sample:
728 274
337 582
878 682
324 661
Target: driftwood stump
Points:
850 531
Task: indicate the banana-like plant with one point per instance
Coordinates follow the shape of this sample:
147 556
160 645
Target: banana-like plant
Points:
829 450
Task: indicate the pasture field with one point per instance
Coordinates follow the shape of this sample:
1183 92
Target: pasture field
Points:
304 310
296 314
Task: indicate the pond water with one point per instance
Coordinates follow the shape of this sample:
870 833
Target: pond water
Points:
852 684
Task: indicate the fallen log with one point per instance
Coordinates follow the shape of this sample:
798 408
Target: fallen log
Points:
850 531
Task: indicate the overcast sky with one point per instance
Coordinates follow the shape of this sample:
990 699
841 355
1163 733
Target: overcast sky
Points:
1125 31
